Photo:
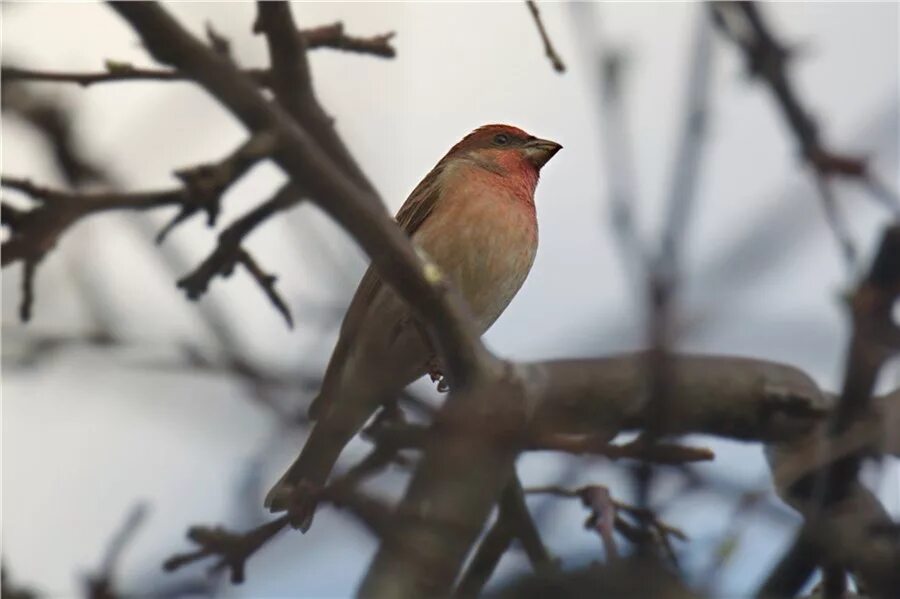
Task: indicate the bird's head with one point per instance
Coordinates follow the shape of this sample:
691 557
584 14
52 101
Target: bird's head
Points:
507 147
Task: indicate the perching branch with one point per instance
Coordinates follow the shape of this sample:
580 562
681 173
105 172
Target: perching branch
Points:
299 154
416 436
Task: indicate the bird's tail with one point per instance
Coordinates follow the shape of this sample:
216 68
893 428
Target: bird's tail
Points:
299 488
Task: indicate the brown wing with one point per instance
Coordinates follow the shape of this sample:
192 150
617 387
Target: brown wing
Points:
417 207
412 213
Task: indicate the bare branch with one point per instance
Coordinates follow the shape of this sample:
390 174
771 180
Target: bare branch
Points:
554 58
115 72
416 436
326 36
606 516
819 495
767 59
101 585
232 549
333 36
11 590
513 521
292 83
640 449
299 154
229 252
36 231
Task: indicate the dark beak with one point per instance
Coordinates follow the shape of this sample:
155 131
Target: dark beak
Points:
540 151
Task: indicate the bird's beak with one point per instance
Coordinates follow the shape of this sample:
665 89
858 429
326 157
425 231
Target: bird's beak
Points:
540 151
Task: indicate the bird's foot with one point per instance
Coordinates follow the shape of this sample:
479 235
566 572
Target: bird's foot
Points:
299 501
434 371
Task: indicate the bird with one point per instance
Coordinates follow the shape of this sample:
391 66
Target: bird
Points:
474 217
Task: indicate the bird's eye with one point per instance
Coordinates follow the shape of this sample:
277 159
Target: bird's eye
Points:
501 139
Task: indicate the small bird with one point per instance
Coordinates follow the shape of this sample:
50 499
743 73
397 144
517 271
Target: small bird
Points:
474 216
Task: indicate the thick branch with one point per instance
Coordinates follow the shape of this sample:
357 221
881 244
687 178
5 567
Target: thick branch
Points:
739 398
416 436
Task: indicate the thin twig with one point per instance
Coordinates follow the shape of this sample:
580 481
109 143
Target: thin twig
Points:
327 36
554 58
101 585
549 50
606 515
36 231
230 252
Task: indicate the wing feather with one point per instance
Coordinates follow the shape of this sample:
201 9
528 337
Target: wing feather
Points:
410 217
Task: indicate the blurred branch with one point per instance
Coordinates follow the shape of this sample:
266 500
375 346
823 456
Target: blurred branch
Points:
736 398
629 577
767 59
639 449
35 232
663 278
875 338
330 36
549 50
659 264
116 71
333 36
234 549
10 590
514 521
51 118
229 252
854 533
101 585
417 436
607 515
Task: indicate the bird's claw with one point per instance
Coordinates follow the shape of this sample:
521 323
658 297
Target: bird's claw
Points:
434 371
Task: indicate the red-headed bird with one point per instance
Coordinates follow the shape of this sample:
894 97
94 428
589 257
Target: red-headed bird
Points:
474 216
